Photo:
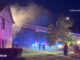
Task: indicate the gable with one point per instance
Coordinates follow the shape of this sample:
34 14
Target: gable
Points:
6 14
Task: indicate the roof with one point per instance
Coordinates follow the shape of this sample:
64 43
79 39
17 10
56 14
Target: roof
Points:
10 14
5 11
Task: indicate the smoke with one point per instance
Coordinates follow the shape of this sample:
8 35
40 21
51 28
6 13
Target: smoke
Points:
25 15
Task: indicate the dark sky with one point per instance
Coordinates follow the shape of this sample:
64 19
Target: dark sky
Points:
56 7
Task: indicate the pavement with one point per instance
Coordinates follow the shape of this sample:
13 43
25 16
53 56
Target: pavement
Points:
52 57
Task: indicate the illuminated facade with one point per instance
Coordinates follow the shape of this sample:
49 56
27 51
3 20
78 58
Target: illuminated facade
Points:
76 36
6 22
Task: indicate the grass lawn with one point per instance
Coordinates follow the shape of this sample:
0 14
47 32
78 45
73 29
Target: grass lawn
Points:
29 52
32 54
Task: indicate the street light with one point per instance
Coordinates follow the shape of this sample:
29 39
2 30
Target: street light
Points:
67 18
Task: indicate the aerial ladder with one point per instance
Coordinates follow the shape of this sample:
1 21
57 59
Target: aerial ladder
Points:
37 28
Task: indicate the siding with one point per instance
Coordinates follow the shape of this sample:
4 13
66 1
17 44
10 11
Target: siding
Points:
6 34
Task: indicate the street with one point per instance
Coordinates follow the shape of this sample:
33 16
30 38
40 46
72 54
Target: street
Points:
52 57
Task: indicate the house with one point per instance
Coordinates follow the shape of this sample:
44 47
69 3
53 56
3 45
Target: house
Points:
76 36
6 22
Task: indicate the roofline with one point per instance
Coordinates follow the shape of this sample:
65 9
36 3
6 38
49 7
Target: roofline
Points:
10 14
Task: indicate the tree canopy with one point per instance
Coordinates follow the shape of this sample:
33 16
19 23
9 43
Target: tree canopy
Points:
61 30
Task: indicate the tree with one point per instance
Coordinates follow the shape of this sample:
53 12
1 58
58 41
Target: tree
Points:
61 30
63 26
51 37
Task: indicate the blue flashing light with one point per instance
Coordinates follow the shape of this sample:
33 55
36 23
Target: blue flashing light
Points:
41 43
33 45
14 42
60 44
36 43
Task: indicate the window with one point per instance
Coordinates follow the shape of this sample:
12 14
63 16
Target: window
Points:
3 23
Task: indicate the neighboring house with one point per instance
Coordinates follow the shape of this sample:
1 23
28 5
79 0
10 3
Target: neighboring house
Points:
76 36
6 22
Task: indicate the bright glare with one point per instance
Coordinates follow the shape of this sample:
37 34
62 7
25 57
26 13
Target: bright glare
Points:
36 43
33 45
67 18
60 46
78 42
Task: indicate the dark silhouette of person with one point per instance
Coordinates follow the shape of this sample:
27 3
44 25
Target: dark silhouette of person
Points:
65 49
39 46
43 46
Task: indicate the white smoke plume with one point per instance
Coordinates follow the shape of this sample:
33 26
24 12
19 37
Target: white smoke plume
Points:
24 15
